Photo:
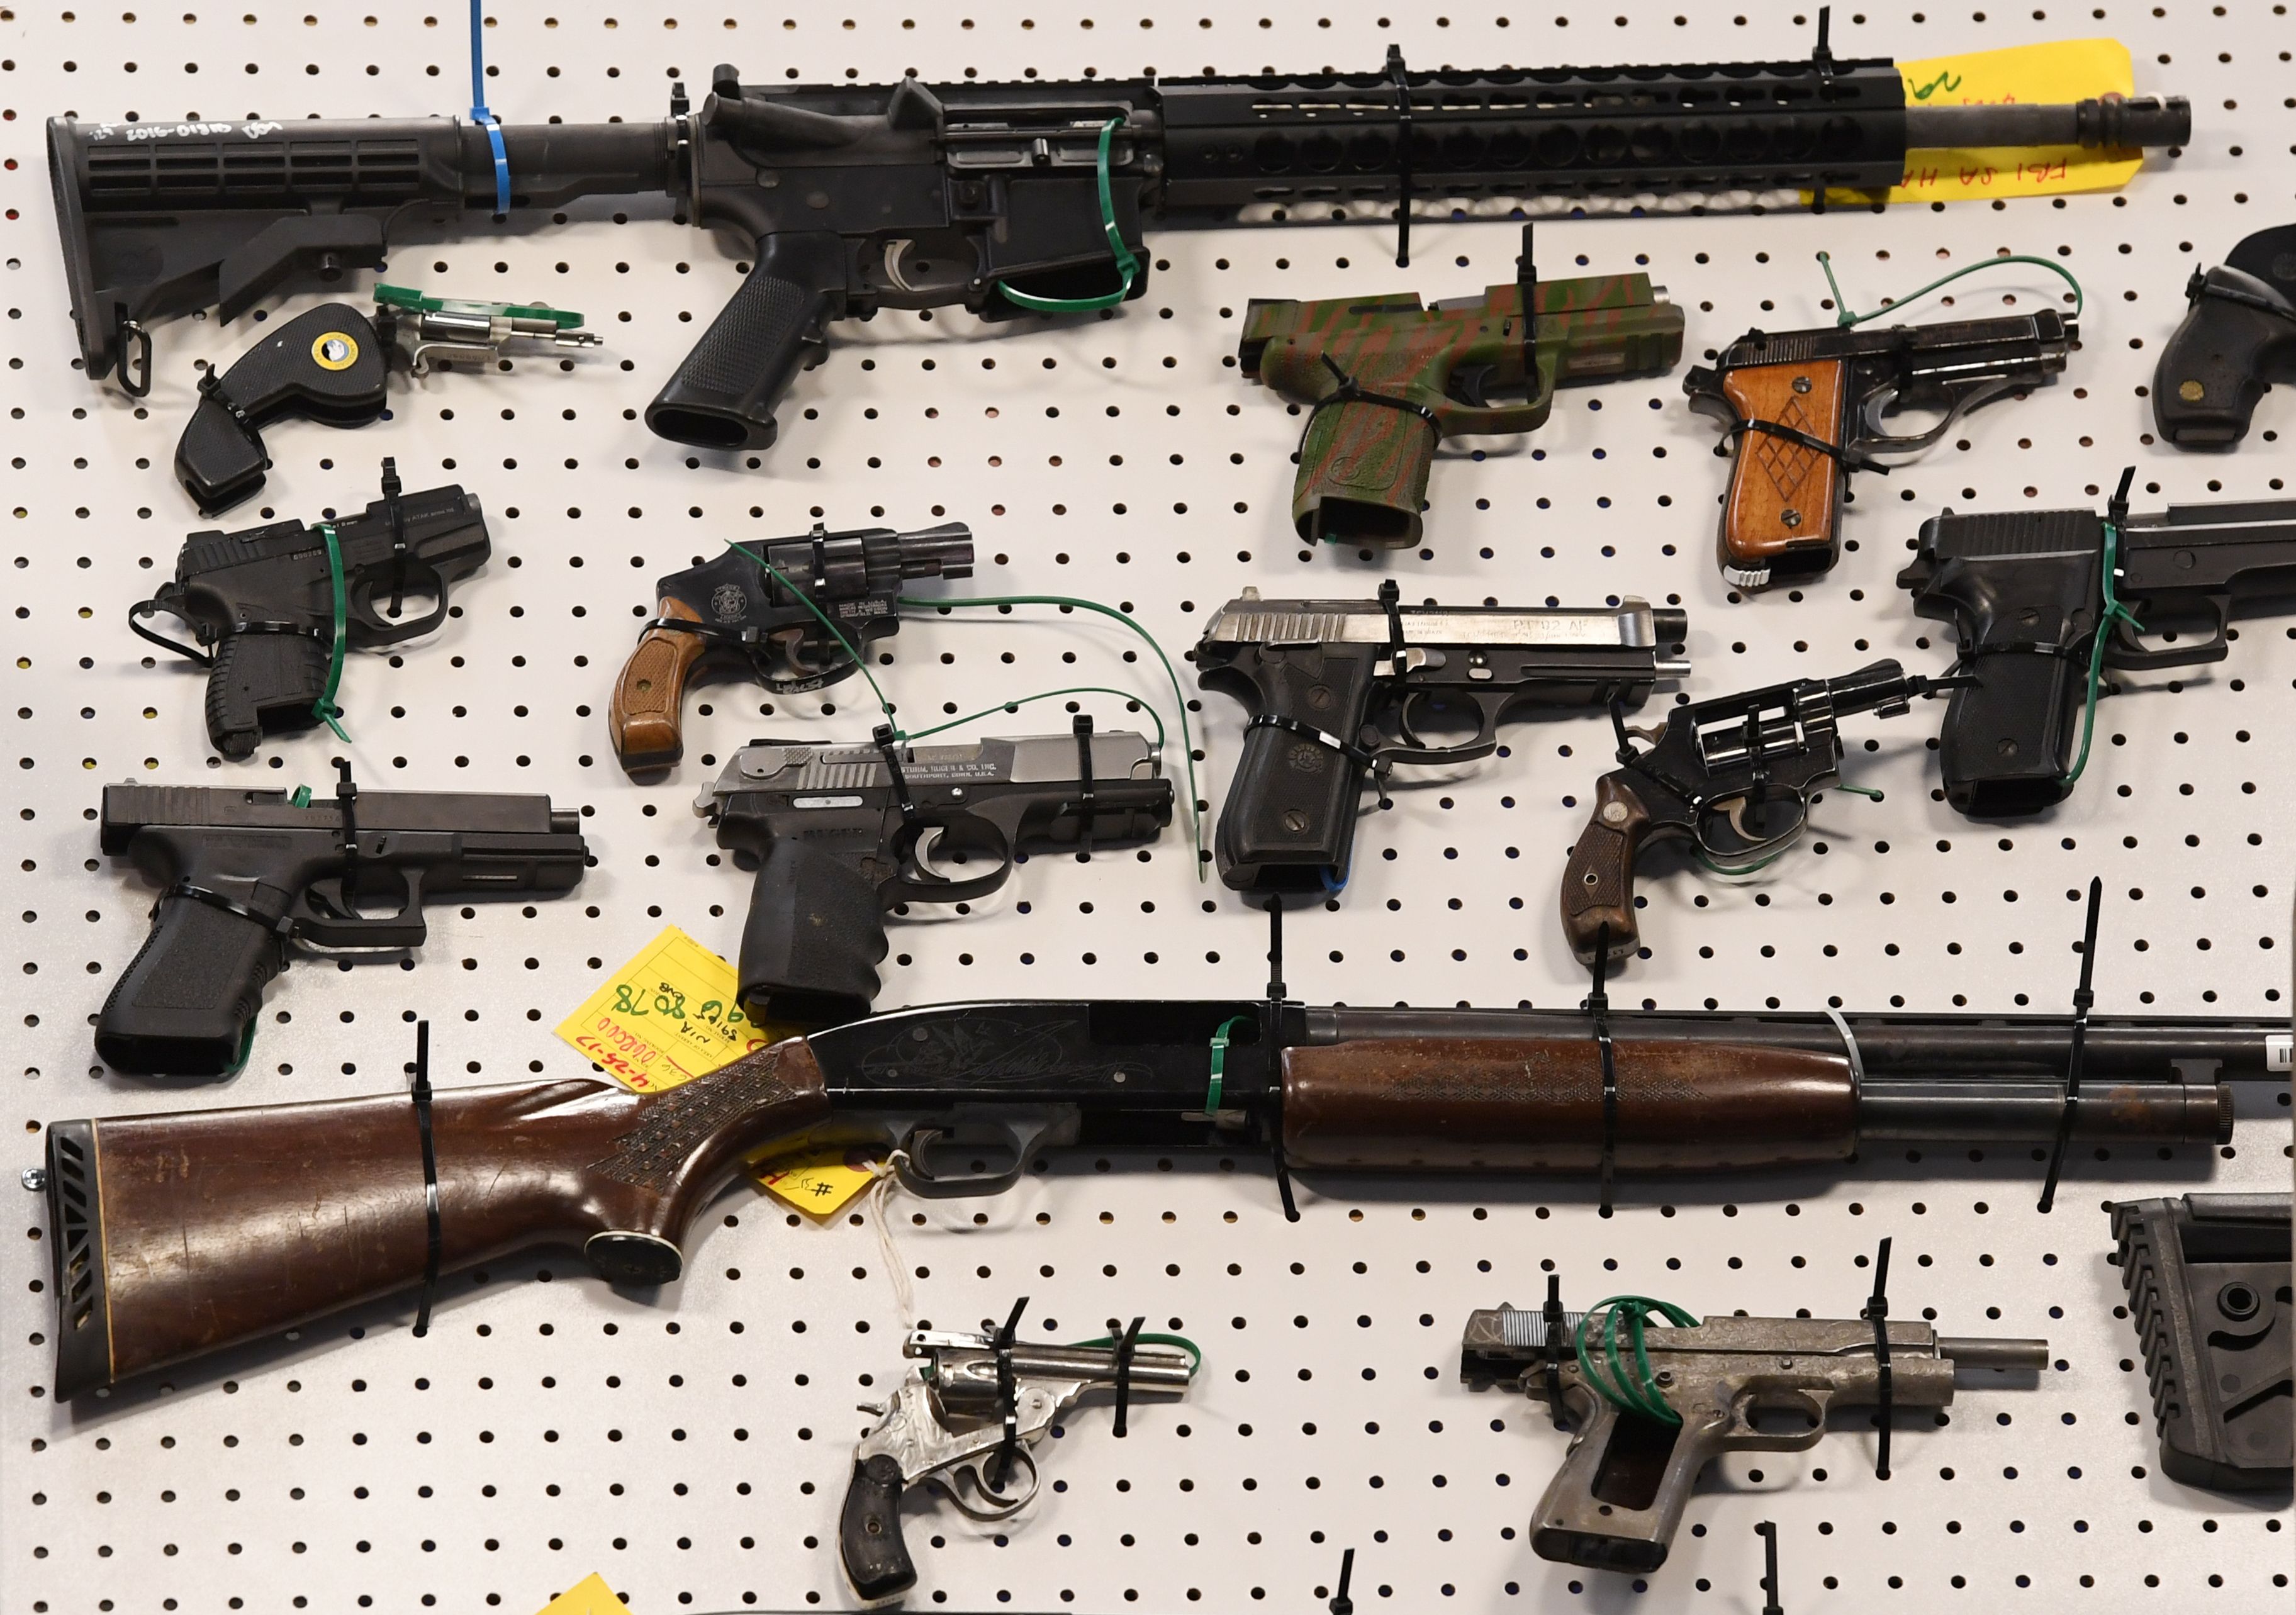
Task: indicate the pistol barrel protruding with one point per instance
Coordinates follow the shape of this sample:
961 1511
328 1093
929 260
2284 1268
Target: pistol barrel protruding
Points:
1978 1354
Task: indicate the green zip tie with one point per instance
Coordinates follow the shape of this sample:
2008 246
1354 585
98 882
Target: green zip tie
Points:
415 302
1864 791
1179 700
301 797
2114 611
1219 1063
1844 318
1127 265
1637 1392
324 709
1195 1352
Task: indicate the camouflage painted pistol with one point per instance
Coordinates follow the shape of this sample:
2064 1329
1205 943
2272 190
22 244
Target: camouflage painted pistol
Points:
1385 379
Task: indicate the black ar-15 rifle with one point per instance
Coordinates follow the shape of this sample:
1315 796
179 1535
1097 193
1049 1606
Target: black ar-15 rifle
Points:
1004 199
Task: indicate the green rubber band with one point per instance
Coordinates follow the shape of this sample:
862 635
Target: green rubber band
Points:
1127 265
324 709
1844 318
1636 1390
1219 1063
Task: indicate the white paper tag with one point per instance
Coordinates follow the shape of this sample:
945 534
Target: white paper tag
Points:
2279 1051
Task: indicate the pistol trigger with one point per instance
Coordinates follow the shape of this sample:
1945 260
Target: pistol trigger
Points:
1468 386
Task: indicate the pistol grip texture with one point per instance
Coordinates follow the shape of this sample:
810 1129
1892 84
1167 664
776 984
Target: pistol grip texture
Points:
1289 819
1598 883
645 717
1363 475
869 1544
1782 517
723 396
2007 741
2222 359
813 939
263 684
1617 1500
184 1005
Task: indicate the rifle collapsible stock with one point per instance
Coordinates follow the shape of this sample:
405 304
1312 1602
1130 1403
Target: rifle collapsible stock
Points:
174 1235
852 198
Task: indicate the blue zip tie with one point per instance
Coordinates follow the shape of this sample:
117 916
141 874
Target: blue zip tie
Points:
484 118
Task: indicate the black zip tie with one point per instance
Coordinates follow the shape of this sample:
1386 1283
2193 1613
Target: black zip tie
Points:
1341 1604
210 390
396 514
1125 1342
1396 76
1769 1532
1841 454
1626 752
1271 1039
422 1096
347 803
1597 1004
136 377
190 654
886 743
1552 1312
1877 1312
1822 58
1000 1465
1085 798
1352 391
2082 999
1526 280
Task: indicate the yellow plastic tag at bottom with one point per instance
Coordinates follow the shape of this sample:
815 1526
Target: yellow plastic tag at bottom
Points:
2070 69
669 1015
818 1182
591 1596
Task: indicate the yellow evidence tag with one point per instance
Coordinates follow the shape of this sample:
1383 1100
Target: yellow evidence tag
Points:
592 1596
667 1016
816 1181
2072 70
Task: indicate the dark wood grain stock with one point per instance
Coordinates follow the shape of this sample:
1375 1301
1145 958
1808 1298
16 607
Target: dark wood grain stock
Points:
1535 1104
215 1226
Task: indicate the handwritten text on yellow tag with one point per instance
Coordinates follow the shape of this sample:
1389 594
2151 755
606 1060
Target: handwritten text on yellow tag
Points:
817 1181
592 1597
669 1015
2072 70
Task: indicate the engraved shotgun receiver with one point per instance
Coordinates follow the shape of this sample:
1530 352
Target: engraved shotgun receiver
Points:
776 608
1731 774
1647 1416
1802 409
966 1418
1334 687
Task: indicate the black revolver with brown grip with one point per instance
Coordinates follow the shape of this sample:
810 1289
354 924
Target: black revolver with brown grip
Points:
1733 776
794 613
1802 409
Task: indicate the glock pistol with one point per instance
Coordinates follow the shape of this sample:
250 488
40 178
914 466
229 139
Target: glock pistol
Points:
965 1417
1802 409
264 603
2025 593
244 873
2237 338
839 834
1335 688
1619 1497
1732 774
1384 381
774 619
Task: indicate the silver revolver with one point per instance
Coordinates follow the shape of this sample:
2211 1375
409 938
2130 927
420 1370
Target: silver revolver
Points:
1615 1502
963 1418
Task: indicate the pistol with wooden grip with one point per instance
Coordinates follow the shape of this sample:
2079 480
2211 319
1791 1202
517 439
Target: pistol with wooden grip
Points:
1619 1497
794 613
1802 409
1733 776
840 834
1335 688
966 1418
1385 379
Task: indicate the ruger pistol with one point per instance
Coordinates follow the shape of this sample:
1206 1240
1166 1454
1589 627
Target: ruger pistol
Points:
1650 1408
2237 338
1385 380
242 873
1732 774
776 618
1334 686
839 834
2026 592
965 1417
1803 409
279 604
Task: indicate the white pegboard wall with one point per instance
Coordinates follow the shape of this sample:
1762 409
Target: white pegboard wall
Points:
693 1446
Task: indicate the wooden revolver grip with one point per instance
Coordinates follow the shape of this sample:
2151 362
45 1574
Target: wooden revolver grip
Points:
1782 518
1598 883
645 717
